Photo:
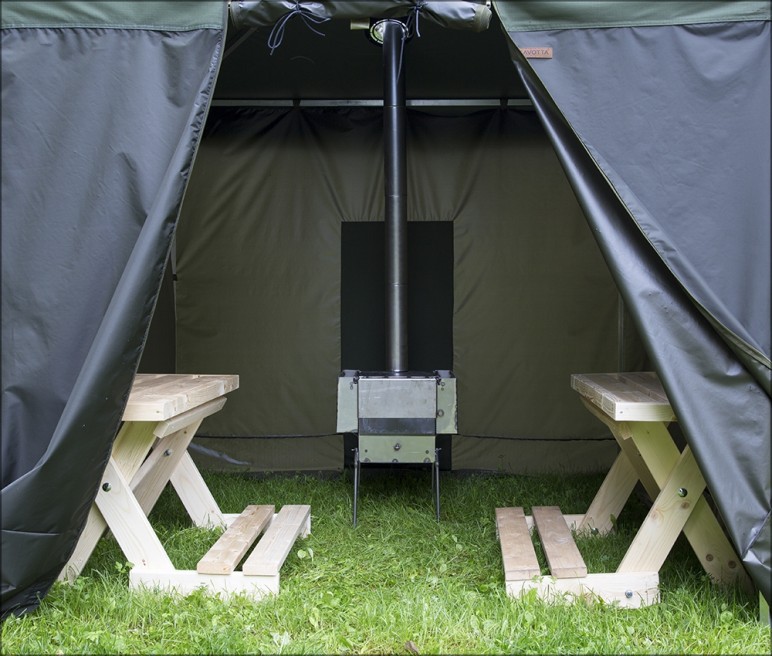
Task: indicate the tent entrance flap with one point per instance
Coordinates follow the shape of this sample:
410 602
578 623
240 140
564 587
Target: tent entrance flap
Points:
84 254
676 189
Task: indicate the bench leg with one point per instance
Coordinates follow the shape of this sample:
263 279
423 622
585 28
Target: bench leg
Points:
195 495
128 522
611 497
129 450
155 472
667 517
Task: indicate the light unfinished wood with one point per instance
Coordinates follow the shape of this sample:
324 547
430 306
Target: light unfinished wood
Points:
189 418
572 521
131 443
517 552
270 553
626 397
666 518
653 455
158 397
92 533
713 549
185 581
562 554
710 543
611 497
630 590
124 516
152 477
658 451
623 432
196 497
230 548
163 413
133 480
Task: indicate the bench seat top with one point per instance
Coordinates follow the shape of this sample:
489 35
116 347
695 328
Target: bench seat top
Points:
158 397
637 396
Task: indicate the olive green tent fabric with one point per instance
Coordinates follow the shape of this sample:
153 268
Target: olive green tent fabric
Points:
258 267
326 453
180 15
538 15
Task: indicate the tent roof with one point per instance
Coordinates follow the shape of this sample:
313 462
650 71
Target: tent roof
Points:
344 65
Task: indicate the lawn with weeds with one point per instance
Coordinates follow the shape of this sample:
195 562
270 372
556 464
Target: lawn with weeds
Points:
398 583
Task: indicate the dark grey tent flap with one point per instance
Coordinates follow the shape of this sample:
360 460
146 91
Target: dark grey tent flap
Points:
459 14
259 275
664 133
102 110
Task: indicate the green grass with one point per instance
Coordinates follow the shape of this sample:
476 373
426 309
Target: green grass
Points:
398 580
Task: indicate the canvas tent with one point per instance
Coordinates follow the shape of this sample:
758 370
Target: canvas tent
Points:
611 210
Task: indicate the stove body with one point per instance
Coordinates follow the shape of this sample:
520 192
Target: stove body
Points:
397 417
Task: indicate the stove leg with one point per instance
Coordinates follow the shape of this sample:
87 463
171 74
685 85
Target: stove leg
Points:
436 481
356 483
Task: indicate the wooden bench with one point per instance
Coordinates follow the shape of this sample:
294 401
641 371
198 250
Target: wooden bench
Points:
162 415
635 408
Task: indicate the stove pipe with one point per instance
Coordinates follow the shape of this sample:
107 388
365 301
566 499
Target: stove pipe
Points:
395 215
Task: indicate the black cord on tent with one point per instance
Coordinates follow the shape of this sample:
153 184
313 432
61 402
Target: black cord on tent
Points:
276 36
412 19
405 36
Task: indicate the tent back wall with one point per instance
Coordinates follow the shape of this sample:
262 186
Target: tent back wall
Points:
258 286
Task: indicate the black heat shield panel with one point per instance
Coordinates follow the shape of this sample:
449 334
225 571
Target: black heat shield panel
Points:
430 296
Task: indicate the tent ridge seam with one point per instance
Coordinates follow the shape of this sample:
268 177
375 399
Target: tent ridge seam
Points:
111 26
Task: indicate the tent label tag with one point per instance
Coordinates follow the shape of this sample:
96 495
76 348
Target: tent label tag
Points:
537 53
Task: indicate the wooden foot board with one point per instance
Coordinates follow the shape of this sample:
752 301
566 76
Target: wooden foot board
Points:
217 572
563 557
568 579
271 552
228 551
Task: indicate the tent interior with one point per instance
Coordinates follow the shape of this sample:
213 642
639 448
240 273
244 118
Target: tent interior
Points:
277 271
606 210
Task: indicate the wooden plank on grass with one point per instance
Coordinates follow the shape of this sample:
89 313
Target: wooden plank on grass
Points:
228 551
517 550
562 554
274 547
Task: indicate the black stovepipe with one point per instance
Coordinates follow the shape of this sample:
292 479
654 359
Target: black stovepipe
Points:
396 198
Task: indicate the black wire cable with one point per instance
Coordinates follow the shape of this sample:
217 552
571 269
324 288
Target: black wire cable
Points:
276 36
